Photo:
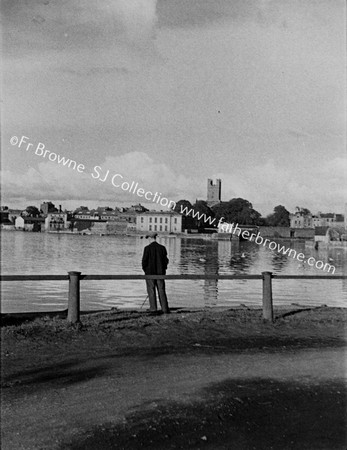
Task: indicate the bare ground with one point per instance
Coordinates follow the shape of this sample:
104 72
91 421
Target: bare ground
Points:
214 379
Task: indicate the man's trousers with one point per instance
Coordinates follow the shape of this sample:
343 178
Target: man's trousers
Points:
160 285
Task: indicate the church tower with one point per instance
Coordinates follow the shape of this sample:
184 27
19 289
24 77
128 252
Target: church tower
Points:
214 192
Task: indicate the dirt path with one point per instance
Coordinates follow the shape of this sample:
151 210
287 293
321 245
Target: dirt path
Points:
248 392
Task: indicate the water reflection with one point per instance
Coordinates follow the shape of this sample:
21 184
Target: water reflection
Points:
210 264
41 253
279 261
241 257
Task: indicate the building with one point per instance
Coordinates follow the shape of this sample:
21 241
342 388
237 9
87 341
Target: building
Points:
123 223
160 221
116 222
326 235
137 208
329 220
321 234
5 222
30 223
86 214
214 192
48 207
56 222
4 219
13 214
286 233
128 216
302 218
108 215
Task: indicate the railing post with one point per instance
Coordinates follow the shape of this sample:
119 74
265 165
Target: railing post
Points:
267 296
73 312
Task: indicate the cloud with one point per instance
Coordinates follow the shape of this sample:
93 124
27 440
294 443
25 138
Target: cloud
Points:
265 186
85 72
59 183
96 71
268 185
188 14
78 34
138 16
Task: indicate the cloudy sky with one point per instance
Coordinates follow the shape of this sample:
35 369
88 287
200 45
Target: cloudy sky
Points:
169 93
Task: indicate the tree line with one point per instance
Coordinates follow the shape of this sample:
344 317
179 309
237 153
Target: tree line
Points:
236 210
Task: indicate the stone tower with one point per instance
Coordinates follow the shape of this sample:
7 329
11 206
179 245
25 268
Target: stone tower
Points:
214 192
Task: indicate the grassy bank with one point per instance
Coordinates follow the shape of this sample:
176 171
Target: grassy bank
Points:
29 340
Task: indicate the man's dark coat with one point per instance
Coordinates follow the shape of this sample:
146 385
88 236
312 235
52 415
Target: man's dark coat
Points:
154 260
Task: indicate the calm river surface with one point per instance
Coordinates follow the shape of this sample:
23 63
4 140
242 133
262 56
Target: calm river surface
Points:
25 253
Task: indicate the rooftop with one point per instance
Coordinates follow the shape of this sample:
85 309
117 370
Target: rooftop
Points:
160 213
320 231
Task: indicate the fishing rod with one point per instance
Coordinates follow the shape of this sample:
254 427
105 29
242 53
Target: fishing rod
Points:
144 302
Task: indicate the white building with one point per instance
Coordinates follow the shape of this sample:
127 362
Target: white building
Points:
86 215
56 221
321 234
329 220
29 223
301 219
160 221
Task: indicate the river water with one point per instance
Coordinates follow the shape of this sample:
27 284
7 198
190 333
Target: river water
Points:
25 253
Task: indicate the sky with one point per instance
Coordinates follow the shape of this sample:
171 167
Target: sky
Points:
169 93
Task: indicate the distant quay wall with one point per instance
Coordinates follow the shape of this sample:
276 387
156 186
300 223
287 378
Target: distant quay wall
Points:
272 232
287 233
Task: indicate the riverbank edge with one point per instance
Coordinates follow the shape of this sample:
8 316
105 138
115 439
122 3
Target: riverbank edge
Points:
18 318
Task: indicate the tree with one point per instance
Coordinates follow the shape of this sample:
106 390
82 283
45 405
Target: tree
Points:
262 222
181 204
237 210
303 211
279 218
187 220
31 211
204 213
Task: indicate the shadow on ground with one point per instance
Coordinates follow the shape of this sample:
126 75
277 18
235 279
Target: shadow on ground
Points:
19 318
239 414
57 375
88 366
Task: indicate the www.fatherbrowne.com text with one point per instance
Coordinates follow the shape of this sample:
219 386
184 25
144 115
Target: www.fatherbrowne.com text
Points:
156 197
252 237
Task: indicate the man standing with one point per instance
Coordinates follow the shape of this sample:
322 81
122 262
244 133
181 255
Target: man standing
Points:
154 262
